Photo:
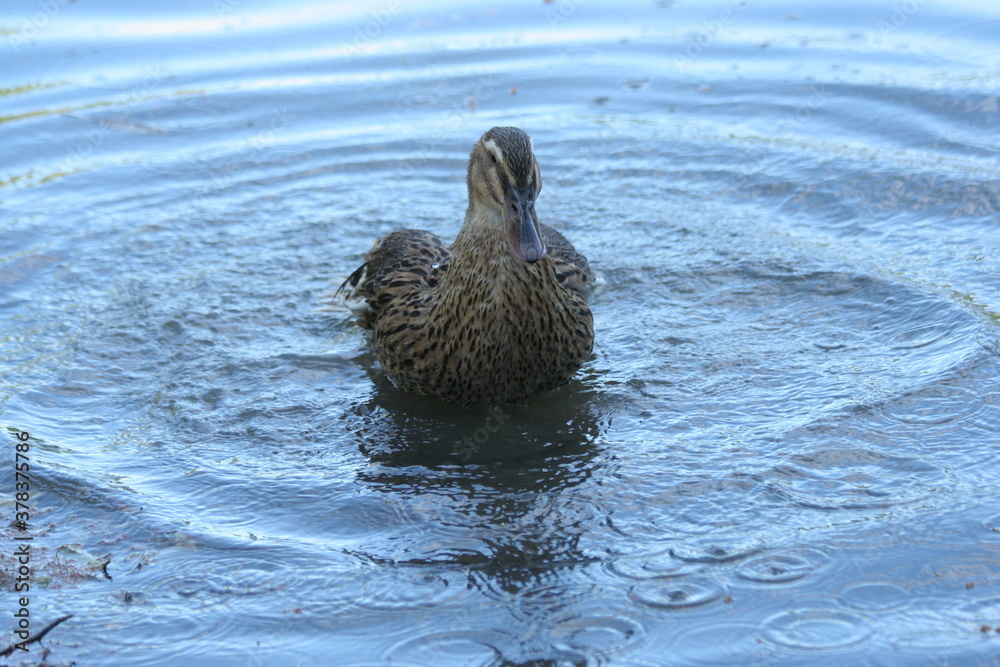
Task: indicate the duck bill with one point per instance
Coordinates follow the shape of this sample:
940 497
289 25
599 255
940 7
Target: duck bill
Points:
522 225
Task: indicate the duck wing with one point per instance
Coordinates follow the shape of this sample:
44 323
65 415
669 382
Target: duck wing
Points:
397 264
572 268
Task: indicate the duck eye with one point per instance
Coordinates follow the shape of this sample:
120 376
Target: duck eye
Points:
493 158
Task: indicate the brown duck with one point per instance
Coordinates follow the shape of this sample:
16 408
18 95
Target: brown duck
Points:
497 317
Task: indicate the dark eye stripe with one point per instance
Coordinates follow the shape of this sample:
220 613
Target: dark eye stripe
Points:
504 179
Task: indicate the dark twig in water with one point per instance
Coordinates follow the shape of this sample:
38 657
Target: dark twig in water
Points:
37 638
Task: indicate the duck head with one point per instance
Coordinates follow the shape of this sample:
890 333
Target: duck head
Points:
504 178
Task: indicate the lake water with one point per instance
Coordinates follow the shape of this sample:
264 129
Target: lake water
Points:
783 451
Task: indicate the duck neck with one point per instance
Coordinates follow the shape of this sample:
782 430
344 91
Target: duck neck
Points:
481 262
481 242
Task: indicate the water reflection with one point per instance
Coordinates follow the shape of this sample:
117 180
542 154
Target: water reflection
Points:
491 489
399 429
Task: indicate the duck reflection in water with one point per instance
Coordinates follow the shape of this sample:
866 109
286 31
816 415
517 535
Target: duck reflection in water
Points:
490 490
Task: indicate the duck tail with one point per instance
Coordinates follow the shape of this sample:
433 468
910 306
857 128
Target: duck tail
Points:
353 280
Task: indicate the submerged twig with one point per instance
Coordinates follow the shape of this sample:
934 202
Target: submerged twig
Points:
37 638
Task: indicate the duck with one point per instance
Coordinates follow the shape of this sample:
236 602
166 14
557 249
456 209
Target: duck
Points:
498 316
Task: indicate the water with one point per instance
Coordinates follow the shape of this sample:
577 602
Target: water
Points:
784 449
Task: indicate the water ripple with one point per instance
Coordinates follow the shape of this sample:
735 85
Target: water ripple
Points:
716 642
677 594
715 549
452 647
931 406
876 597
400 590
845 478
783 567
818 630
595 633
985 611
652 566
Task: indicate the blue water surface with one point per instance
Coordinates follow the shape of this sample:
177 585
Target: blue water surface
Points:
783 451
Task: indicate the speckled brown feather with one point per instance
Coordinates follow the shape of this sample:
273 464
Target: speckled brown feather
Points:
397 264
572 269
472 323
